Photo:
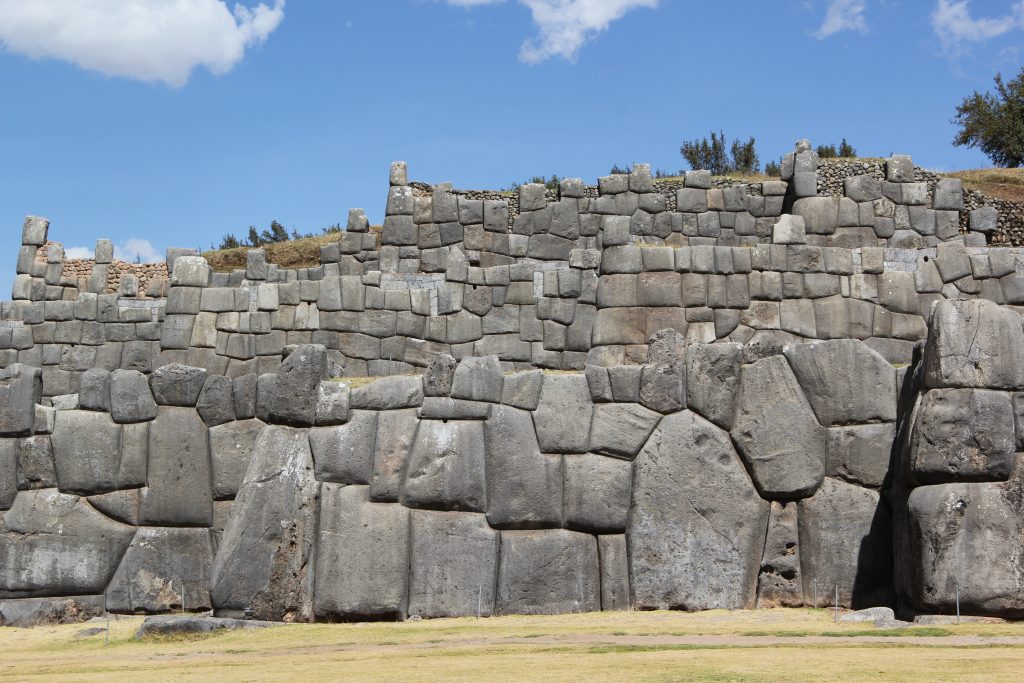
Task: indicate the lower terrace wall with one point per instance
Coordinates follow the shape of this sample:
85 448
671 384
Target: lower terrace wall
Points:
635 397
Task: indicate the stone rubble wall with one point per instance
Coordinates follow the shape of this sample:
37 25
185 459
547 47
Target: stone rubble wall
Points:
576 406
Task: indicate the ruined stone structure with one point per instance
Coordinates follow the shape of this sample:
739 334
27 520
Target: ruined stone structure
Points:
637 396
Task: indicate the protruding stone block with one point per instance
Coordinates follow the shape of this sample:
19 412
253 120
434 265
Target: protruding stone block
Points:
552 571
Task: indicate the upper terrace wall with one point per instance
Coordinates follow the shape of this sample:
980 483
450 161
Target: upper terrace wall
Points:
538 278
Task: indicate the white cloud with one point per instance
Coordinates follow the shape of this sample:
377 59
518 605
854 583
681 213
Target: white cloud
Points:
954 26
129 250
843 15
149 40
565 25
135 248
77 252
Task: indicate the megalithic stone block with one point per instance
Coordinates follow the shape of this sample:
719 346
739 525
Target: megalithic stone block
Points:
696 526
262 568
777 432
974 343
179 491
53 543
21 388
362 556
548 571
161 568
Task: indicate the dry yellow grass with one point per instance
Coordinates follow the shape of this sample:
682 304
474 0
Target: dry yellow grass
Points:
1001 183
301 253
646 646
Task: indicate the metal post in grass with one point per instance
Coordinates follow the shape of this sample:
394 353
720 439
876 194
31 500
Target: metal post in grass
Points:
108 627
837 603
958 603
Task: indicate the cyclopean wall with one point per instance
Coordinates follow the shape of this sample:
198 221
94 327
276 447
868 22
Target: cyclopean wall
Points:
625 420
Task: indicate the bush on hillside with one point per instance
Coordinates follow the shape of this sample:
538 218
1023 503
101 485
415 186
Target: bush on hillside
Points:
994 123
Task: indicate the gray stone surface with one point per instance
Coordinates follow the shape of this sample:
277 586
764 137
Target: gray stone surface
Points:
453 567
438 377
478 379
34 612
597 493
130 397
298 383
262 562
396 433
615 595
712 381
216 403
362 556
54 544
963 435
179 491
446 467
343 454
551 571
845 381
177 384
621 429
161 568
231 448
388 393
524 487
974 343
777 433
87 452
562 417
21 388
861 454
954 537
778 583
846 540
696 525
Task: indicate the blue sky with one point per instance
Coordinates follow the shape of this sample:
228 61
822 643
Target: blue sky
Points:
171 124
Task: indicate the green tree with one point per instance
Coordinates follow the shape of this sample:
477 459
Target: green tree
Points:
994 123
744 157
773 169
826 151
707 154
229 241
711 154
254 238
846 150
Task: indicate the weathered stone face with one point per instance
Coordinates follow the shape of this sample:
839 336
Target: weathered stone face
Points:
696 525
659 393
777 432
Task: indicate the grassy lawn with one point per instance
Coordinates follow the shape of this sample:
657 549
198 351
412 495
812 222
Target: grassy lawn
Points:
765 645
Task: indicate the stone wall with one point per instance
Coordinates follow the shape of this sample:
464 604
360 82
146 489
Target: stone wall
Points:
638 397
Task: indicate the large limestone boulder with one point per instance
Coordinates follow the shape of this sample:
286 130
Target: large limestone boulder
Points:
846 540
446 468
262 565
963 435
964 536
57 544
974 343
298 383
87 453
162 568
621 429
551 571
696 525
777 432
563 416
362 556
231 448
453 565
597 492
524 487
396 433
845 381
343 454
779 584
179 491
21 387
712 380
